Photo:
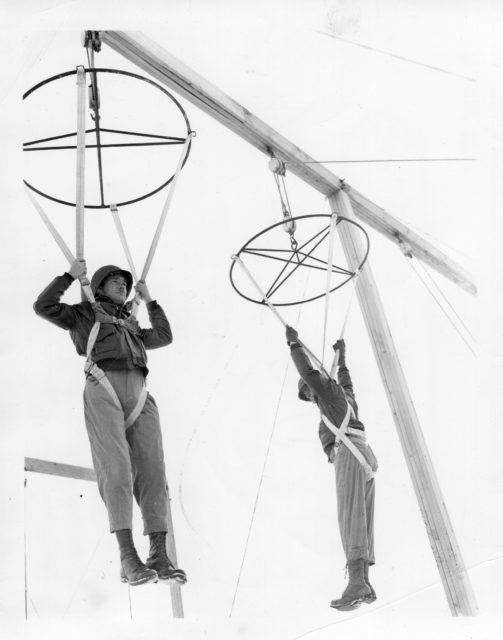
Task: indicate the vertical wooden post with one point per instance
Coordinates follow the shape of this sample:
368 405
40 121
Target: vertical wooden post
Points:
438 526
176 594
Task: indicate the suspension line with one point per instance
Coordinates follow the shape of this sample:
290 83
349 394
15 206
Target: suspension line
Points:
333 224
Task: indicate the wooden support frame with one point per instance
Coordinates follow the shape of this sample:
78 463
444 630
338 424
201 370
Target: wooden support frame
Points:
429 496
343 199
160 64
47 467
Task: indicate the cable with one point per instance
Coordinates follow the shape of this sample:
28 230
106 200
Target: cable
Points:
447 300
83 574
258 489
392 160
264 466
189 444
394 55
441 307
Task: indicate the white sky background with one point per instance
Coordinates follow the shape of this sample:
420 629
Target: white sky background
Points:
218 386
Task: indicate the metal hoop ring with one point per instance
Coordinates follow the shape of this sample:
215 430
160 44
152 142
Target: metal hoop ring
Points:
264 231
124 73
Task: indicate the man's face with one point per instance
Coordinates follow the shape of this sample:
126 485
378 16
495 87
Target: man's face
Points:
115 288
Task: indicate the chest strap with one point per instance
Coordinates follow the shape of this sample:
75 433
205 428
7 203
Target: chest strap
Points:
341 434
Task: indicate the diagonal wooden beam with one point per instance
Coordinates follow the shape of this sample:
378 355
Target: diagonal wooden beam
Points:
166 68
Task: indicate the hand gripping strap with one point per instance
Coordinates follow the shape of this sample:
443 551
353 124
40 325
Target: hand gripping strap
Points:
339 433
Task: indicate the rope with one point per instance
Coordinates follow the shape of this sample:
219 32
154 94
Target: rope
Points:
426 272
190 441
394 55
263 469
83 574
333 224
257 496
441 307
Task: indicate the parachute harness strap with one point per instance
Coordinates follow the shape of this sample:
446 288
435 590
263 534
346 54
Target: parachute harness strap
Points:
314 359
92 369
330 259
162 219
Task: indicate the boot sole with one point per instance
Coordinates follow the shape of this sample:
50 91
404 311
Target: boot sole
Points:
137 583
350 606
176 577
172 582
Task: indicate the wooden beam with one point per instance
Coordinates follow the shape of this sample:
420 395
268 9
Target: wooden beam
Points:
58 469
163 66
431 503
83 473
176 594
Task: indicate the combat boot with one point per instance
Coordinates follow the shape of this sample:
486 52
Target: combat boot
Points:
158 560
372 597
357 590
133 571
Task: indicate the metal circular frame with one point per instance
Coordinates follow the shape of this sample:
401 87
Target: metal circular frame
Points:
289 304
124 73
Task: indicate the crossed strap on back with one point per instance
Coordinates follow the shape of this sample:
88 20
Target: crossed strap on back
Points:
92 369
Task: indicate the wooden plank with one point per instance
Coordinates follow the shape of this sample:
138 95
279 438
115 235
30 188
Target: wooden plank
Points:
58 469
176 594
428 493
166 68
36 465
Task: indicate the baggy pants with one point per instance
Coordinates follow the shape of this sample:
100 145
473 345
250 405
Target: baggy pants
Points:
127 462
355 501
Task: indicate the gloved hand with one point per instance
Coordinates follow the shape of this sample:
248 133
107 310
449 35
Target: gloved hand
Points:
291 334
331 455
340 346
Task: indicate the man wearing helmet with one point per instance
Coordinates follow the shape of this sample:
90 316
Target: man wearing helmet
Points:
121 417
354 461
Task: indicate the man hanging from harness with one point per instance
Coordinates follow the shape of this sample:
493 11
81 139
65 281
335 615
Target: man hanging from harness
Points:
343 439
121 417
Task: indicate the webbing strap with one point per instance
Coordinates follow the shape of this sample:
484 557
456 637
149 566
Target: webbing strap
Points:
237 259
81 154
133 416
333 224
93 334
350 445
99 375
120 230
162 219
